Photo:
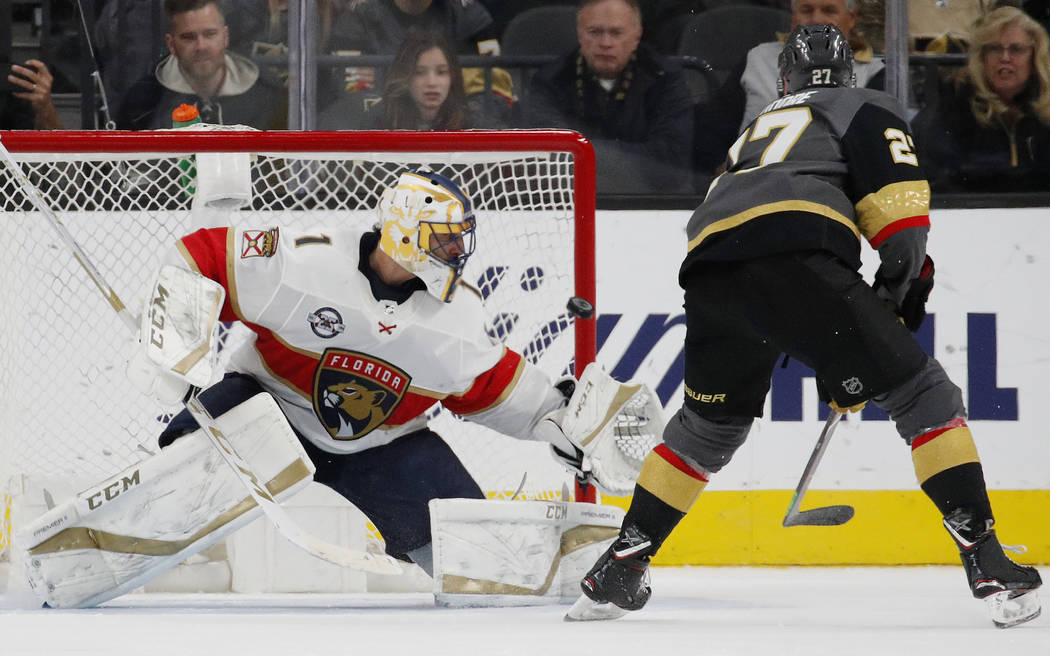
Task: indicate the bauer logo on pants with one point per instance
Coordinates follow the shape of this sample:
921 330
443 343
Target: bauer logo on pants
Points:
354 393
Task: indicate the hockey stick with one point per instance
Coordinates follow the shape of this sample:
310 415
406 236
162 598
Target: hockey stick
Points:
359 560
827 515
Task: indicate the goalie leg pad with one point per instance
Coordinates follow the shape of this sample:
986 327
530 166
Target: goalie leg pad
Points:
516 553
121 533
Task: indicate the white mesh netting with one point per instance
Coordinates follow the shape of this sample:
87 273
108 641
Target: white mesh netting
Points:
71 417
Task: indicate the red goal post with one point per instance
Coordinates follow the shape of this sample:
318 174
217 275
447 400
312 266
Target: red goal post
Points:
70 417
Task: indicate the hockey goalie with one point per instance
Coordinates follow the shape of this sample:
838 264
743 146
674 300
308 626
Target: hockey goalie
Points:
358 334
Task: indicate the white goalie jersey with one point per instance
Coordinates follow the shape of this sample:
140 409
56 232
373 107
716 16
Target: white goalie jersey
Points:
351 372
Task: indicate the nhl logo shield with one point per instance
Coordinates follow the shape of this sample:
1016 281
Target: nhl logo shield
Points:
354 393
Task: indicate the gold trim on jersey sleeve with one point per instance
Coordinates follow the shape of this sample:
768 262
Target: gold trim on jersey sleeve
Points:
731 222
419 391
895 201
231 277
185 253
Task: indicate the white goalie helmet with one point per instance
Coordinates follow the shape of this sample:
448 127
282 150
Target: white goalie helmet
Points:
427 226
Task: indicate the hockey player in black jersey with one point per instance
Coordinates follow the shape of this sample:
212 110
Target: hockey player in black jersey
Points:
772 269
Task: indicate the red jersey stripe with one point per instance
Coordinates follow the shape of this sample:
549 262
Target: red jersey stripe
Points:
490 388
676 462
927 437
897 226
207 248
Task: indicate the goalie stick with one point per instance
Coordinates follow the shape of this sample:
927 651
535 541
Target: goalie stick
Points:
827 515
282 521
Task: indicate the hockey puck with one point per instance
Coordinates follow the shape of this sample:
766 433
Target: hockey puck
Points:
580 307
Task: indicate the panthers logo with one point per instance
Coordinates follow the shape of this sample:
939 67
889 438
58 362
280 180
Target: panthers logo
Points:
355 393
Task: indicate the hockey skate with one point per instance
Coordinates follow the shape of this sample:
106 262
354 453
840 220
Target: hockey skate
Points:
618 582
1007 588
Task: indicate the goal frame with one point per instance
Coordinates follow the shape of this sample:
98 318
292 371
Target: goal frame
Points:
57 147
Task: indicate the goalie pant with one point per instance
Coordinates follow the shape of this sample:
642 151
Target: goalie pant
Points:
391 484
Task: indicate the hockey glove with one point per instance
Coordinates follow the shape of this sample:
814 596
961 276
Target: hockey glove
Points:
913 308
823 395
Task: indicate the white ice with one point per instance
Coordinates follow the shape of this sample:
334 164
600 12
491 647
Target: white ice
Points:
903 611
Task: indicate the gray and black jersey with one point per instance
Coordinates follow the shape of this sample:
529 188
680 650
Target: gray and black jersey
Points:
816 170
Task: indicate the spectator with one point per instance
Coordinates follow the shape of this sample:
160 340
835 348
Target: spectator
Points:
226 88
634 108
989 130
31 108
423 91
379 27
753 85
759 79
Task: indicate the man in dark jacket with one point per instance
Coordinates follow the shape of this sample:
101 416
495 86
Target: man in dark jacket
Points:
635 109
225 87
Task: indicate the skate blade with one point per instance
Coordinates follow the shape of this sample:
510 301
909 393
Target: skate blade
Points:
1010 611
587 610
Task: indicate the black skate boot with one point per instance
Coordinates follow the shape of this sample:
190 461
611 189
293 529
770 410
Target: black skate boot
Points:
1009 589
619 581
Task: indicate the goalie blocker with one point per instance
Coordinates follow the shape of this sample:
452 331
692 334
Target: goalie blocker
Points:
178 335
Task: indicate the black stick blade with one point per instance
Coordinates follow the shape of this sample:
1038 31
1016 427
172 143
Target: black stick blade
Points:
826 516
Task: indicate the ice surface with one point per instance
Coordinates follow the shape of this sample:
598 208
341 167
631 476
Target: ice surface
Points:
904 611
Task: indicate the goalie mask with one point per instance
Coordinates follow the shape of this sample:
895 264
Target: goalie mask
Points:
427 226
815 56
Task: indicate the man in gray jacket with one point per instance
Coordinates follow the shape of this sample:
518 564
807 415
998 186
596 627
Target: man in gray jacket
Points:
225 87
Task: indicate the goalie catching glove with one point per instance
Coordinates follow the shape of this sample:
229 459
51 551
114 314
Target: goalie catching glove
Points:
606 429
178 334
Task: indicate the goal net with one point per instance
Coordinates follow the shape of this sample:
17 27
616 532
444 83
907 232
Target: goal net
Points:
70 417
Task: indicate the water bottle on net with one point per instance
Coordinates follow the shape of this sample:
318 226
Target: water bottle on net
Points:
182 116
